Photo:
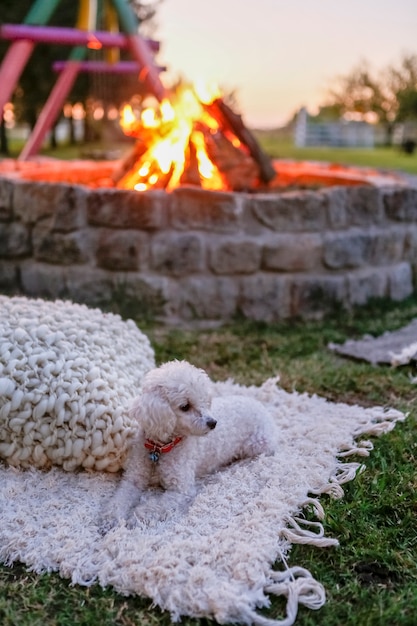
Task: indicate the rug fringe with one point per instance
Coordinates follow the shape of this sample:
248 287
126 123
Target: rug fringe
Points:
362 449
295 583
382 421
298 586
296 534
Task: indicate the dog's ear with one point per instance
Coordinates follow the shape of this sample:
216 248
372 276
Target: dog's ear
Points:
154 414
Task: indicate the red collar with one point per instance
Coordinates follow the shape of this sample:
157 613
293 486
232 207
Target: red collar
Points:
156 449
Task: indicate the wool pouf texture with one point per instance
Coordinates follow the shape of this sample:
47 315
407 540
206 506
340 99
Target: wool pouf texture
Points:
217 560
67 377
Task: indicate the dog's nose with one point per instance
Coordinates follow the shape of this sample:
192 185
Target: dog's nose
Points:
211 423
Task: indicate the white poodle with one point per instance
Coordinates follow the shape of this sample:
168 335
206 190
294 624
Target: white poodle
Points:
184 433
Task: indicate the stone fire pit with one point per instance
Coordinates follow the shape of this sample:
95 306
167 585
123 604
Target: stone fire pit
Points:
194 255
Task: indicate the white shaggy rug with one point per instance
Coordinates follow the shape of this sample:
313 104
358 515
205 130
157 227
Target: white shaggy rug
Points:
217 561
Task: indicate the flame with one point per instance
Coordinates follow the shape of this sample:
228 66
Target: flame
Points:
128 118
207 92
174 137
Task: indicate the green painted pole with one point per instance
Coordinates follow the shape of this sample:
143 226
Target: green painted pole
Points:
78 54
139 49
127 18
41 11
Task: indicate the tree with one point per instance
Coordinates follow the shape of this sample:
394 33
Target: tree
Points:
403 82
407 105
377 95
328 113
146 14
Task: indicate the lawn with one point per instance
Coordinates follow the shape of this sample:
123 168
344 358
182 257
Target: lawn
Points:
371 579
390 158
275 144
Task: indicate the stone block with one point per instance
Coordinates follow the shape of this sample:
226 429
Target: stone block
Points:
401 204
388 246
364 206
400 281
40 280
347 249
206 298
141 296
265 297
363 285
89 285
293 253
250 225
198 209
61 248
292 211
33 201
71 215
177 255
235 256
118 208
9 277
123 250
336 207
410 245
6 190
14 240
316 296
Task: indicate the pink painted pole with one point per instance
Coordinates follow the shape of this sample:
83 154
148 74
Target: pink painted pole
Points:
51 109
69 36
121 67
13 65
149 73
139 49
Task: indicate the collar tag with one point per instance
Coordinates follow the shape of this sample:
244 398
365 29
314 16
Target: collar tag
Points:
156 449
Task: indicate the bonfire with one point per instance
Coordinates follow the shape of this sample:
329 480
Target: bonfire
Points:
191 138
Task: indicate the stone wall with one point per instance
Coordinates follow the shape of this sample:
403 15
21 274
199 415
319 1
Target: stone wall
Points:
197 255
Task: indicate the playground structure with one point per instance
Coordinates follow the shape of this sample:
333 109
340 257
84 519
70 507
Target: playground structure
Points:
231 145
121 34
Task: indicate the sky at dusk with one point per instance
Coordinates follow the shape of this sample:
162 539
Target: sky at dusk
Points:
279 56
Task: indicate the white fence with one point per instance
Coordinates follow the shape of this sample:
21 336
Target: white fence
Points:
341 133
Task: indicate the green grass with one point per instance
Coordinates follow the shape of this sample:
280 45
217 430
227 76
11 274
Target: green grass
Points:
371 578
70 152
387 158
275 145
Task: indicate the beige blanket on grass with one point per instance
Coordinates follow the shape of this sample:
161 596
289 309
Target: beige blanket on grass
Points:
217 560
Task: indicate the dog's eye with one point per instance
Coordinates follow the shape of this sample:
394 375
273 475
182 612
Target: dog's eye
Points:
185 407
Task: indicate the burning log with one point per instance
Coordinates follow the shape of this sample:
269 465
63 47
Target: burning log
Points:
143 139
191 174
187 140
238 169
128 162
229 120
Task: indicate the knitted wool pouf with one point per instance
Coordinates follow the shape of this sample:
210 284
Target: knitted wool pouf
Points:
67 376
